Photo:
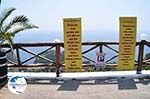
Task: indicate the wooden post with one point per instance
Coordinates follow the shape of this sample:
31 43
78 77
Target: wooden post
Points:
18 56
140 57
57 60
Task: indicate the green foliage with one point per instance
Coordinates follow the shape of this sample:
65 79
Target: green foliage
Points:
15 25
0 2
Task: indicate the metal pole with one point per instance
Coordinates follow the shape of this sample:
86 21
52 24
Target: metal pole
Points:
101 48
140 57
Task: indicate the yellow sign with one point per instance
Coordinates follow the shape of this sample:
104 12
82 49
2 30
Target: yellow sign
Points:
73 44
127 43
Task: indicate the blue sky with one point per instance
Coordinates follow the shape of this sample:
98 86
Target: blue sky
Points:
97 15
100 16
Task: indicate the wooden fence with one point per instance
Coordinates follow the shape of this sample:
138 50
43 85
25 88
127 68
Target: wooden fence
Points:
58 47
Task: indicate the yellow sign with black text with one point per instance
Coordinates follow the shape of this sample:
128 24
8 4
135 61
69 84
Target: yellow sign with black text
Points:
127 43
73 44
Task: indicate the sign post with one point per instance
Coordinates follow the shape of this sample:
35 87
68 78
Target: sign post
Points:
127 43
100 59
73 44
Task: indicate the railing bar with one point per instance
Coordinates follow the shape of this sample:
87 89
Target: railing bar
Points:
147 60
12 62
8 51
89 59
45 50
27 60
35 55
93 65
147 43
32 65
111 48
39 54
90 49
52 65
44 58
18 57
27 51
62 46
148 46
111 58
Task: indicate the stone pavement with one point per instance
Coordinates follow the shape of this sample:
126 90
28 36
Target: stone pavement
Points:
121 88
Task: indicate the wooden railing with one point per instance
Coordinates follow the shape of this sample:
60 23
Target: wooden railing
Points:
58 47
